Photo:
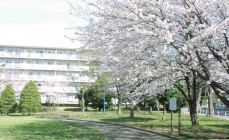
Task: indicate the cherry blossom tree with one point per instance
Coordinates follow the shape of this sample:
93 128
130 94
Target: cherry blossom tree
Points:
152 45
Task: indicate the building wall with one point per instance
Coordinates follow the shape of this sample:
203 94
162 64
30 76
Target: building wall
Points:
58 72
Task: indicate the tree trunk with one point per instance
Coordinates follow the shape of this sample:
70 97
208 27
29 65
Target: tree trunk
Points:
54 106
193 103
138 109
199 98
132 109
119 100
219 95
164 112
193 113
83 103
150 110
115 107
210 102
119 104
158 106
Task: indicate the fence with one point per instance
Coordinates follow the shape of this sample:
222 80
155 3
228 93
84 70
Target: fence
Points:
204 111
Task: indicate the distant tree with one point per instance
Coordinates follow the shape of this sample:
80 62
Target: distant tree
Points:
8 100
86 93
126 100
175 93
97 99
151 103
171 93
94 94
30 100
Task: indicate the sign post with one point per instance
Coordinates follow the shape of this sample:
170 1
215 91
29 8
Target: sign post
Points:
172 106
179 119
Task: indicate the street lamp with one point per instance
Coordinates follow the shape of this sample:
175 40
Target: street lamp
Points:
104 96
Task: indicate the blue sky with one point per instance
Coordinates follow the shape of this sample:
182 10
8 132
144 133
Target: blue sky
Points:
36 23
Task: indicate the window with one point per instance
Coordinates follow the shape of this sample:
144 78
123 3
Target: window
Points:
38 75
51 73
30 73
50 63
70 53
38 62
8 61
50 52
59 63
9 50
59 52
68 66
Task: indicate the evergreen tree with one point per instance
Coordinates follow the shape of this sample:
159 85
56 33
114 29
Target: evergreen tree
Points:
8 100
30 100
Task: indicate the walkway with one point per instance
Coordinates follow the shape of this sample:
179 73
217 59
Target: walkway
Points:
118 132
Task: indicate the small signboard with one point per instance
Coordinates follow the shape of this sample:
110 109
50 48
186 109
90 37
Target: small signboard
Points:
173 104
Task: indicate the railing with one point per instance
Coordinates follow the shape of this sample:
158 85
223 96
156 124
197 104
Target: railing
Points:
45 67
44 56
205 112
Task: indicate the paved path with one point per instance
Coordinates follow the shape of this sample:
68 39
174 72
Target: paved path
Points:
118 132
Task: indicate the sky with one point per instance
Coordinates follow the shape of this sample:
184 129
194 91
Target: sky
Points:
37 23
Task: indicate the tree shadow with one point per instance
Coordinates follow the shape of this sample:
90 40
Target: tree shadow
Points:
225 126
72 109
19 115
127 119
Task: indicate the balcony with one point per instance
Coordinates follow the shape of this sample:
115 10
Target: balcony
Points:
44 56
44 67
49 79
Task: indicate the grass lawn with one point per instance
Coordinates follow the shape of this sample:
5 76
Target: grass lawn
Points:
209 127
18 127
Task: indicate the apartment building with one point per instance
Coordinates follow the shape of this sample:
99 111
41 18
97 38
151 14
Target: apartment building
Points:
58 72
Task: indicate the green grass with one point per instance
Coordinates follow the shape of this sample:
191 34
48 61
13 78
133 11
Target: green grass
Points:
33 127
39 126
209 127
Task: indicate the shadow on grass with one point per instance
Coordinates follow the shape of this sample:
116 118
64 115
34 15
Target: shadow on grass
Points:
127 119
224 126
72 109
53 130
19 115
78 109
206 132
